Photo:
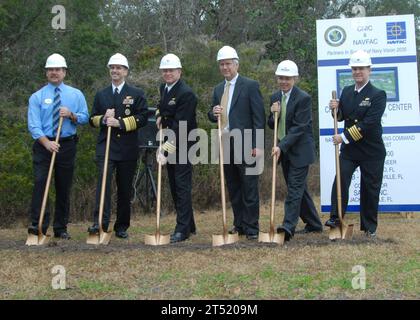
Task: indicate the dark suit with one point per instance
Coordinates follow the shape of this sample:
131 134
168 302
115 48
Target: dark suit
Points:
246 112
180 105
362 113
297 153
131 111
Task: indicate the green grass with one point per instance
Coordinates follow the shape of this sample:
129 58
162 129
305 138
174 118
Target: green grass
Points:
309 267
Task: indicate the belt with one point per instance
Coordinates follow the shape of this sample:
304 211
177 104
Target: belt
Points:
69 138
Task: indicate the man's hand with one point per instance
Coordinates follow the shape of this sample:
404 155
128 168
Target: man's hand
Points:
160 158
337 139
158 121
217 111
275 107
256 153
65 112
276 152
110 113
51 146
333 104
112 122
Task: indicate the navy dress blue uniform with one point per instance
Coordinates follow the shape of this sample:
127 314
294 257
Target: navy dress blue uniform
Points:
131 110
361 112
297 153
179 104
246 112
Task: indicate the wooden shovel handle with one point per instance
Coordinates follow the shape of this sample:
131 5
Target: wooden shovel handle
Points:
159 186
47 185
337 163
104 179
222 174
274 171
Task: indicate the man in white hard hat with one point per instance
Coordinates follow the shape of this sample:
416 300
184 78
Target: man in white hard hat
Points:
124 108
46 106
177 108
361 107
238 101
295 149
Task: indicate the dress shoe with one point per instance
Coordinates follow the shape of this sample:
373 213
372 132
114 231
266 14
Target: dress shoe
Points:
34 230
332 222
308 230
237 230
252 236
370 234
95 229
63 235
287 234
178 237
121 234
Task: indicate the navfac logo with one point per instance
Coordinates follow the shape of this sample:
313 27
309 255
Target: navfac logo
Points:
396 32
335 36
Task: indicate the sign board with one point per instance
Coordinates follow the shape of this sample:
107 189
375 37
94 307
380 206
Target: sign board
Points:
391 42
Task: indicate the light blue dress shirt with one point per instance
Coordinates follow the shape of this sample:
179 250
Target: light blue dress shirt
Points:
40 110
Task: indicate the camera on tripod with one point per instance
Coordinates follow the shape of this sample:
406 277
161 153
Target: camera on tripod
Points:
144 184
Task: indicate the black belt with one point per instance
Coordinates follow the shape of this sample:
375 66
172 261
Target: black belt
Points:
69 138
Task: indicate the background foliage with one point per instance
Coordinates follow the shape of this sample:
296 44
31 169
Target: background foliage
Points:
264 32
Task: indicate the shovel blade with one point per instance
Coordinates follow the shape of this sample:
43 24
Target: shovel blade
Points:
334 234
104 238
271 238
223 239
37 240
156 239
345 232
93 239
99 238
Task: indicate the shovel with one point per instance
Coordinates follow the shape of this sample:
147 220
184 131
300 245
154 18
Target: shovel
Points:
344 232
158 239
273 236
225 238
103 237
40 239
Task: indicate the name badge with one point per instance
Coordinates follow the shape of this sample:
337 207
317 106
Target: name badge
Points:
128 100
365 103
172 102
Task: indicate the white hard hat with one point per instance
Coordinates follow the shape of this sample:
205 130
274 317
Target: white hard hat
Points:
118 59
360 59
287 68
170 61
56 61
227 52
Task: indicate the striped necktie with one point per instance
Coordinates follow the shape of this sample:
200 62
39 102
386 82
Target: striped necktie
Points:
56 111
224 104
282 125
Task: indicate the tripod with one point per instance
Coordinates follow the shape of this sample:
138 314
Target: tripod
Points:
144 183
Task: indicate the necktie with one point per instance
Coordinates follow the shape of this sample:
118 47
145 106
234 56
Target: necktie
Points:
56 111
116 91
166 92
282 126
224 105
